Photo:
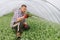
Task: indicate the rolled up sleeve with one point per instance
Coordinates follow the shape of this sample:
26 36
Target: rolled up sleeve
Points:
14 18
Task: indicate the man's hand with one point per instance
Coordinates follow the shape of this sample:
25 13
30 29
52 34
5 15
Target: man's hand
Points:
15 24
23 17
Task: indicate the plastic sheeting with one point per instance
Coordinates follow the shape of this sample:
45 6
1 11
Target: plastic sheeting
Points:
38 7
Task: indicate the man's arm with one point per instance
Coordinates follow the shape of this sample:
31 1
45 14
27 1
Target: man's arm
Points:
20 19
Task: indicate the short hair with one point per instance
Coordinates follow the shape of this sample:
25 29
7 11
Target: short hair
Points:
23 5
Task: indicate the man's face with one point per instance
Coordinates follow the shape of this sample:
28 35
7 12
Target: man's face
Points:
23 9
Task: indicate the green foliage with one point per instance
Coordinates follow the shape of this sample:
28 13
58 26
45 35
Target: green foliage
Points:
40 29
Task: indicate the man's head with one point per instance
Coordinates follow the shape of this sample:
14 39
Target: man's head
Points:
23 8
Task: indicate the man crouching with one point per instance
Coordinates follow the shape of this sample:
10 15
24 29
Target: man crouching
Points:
18 19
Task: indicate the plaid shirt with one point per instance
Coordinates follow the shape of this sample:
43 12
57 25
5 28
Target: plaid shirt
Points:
17 14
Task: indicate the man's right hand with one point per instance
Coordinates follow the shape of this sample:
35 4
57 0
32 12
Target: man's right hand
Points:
21 18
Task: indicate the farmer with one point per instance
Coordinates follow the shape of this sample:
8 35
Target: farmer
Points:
18 20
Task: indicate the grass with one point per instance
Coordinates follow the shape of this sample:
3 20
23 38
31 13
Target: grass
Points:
40 29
